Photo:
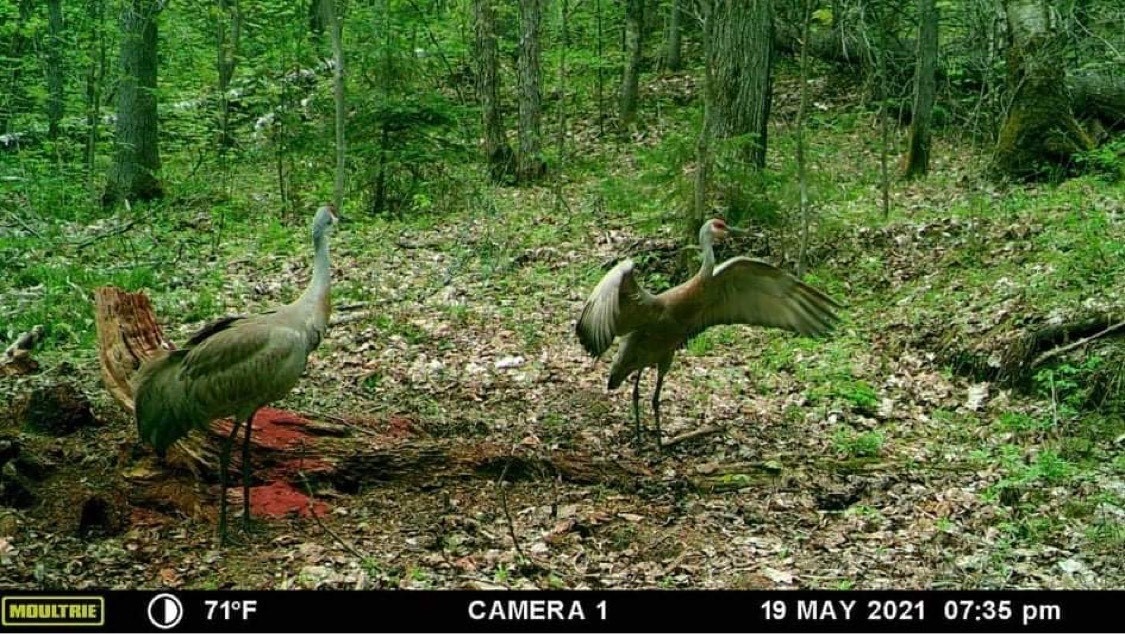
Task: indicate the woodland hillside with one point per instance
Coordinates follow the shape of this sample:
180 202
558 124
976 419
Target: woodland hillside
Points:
923 387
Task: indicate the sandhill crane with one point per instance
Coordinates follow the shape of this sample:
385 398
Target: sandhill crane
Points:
738 291
235 366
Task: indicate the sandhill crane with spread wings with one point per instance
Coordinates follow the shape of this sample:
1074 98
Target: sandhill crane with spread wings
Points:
739 291
234 367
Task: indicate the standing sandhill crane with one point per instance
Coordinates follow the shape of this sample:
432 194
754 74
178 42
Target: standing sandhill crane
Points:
738 291
235 366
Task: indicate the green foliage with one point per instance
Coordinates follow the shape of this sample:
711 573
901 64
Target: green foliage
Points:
851 443
859 394
1021 422
1107 160
1047 467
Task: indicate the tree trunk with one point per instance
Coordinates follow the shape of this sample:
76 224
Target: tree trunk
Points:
137 162
599 82
55 71
229 22
316 20
497 153
1100 97
634 28
799 131
335 22
94 76
1040 133
561 129
740 52
672 47
918 159
15 97
530 166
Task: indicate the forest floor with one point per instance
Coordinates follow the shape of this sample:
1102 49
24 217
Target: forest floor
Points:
863 460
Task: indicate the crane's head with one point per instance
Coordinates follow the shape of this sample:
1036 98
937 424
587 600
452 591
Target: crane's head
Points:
714 230
325 219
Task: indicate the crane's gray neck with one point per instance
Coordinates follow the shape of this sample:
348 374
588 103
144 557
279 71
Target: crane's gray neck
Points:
317 292
706 240
322 269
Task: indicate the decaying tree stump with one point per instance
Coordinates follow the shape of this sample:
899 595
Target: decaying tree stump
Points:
129 335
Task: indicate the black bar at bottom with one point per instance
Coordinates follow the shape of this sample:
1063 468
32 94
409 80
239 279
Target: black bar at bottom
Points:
565 611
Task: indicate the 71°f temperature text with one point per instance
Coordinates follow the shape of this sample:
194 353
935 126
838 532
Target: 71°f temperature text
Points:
227 610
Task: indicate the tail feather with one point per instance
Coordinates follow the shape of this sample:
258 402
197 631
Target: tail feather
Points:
164 414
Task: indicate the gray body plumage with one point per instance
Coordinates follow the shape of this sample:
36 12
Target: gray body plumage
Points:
236 365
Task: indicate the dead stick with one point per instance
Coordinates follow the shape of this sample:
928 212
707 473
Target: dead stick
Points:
1071 346
114 232
324 527
508 513
696 433
26 341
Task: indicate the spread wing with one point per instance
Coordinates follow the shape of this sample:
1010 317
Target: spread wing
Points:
747 291
617 306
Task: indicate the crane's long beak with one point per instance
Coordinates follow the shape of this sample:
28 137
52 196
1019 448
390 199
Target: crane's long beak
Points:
737 230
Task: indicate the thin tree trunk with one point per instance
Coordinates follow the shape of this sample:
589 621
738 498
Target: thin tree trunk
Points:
884 131
701 199
740 52
560 138
137 162
14 98
918 158
530 166
229 21
55 72
497 152
94 75
802 105
672 45
599 86
316 20
335 22
634 29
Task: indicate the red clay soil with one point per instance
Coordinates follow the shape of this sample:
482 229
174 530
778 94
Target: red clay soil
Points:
279 499
279 431
273 429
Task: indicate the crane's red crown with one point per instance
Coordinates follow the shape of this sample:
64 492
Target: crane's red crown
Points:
719 224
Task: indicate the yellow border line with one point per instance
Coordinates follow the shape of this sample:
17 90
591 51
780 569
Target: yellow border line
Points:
36 597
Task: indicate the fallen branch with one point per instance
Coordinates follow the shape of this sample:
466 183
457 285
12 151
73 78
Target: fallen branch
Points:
25 341
117 231
507 513
691 435
324 527
17 358
26 227
1054 352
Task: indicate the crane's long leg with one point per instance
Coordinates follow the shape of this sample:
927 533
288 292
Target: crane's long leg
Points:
660 370
246 473
637 405
224 465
